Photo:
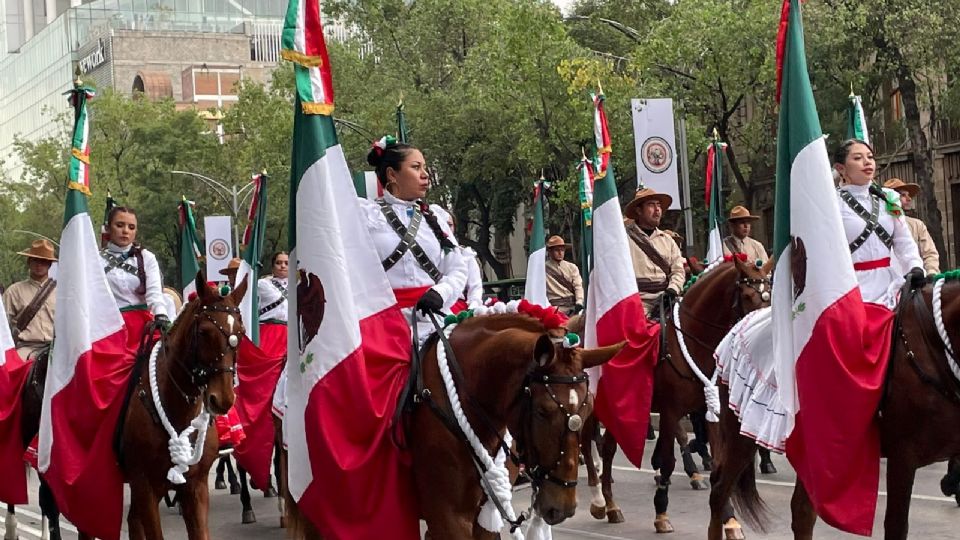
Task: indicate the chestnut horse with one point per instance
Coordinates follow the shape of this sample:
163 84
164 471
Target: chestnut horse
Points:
516 377
709 309
919 384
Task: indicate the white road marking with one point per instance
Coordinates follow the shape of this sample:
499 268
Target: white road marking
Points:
63 523
588 534
780 483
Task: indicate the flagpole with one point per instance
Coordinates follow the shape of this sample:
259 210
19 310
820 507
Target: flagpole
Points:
685 169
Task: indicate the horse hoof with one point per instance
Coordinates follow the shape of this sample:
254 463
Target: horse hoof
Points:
269 493
733 531
248 517
957 498
283 522
220 484
698 482
234 489
948 486
598 512
657 477
766 467
614 515
707 464
662 524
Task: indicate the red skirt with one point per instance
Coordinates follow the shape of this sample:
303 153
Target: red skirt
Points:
135 320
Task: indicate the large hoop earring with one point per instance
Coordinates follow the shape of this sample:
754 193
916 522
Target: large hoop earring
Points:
391 188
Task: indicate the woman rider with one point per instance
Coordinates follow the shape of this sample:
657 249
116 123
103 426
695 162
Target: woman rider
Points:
429 273
133 275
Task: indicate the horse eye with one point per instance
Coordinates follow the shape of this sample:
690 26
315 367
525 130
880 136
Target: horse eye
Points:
543 412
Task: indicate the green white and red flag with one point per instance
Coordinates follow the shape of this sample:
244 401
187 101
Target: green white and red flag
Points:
600 133
828 376
714 202
344 375
586 170
535 286
89 367
190 249
13 377
403 132
253 236
856 119
614 313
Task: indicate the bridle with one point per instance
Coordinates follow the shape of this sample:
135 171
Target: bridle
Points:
200 373
573 424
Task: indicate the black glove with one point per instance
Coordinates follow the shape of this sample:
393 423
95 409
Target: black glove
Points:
916 277
669 296
163 322
430 302
577 308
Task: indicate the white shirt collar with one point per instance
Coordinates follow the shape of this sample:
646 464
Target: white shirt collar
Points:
391 199
115 249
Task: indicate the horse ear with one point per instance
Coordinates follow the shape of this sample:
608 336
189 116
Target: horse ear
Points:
203 291
594 357
240 290
543 351
741 266
768 266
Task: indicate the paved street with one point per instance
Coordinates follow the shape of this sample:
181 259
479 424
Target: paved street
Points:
932 515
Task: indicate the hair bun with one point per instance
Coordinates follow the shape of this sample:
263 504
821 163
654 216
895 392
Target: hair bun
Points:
373 157
378 148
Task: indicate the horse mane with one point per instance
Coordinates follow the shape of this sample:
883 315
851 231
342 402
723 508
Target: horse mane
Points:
520 321
710 275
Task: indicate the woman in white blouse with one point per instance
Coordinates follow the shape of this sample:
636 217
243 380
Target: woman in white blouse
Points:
133 275
427 272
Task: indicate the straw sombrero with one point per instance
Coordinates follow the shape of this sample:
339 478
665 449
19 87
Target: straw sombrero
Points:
40 249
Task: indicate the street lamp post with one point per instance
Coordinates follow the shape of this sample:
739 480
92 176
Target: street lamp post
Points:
232 196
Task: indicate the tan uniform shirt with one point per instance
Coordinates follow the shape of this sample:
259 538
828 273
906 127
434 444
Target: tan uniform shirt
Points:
928 250
40 330
754 250
559 294
643 267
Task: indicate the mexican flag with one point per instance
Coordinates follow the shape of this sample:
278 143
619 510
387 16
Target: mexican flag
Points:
349 346
252 253
586 220
189 249
367 185
614 312
403 132
712 188
829 379
89 367
13 375
601 134
535 289
856 119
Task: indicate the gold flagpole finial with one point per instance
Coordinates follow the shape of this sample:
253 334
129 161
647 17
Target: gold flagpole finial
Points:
716 135
851 89
583 153
599 87
542 177
264 171
76 81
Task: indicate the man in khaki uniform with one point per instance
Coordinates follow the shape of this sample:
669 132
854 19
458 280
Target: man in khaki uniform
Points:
739 241
30 303
657 261
564 285
918 229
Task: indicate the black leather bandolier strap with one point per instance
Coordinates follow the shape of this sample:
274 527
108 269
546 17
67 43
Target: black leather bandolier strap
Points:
872 218
116 262
408 242
647 285
277 302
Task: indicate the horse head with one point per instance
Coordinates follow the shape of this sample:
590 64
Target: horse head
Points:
557 403
206 337
755 286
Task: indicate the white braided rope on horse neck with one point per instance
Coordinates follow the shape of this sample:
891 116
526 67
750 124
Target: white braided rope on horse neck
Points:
942 330
711 394
496 471
183 454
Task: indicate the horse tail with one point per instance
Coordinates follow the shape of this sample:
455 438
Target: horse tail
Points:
747 502
298 526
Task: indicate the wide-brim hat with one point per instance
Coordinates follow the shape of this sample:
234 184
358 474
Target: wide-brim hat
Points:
40 249
557 241
897 184
231 268
644 195
739 213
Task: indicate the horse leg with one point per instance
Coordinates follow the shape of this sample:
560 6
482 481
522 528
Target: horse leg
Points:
665 458
802 514
597 502
282 485
950 483
232 477
766 464
270 491
247 516
736 457
900 477
10 524
49 510
701 439
143 519
697 482
195 502
607 451
219 482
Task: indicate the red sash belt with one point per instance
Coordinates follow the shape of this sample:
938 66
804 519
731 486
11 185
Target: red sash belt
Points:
458 306
871 265
408 297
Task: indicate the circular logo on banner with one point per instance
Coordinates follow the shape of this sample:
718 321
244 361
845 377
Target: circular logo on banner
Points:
656 155
219 249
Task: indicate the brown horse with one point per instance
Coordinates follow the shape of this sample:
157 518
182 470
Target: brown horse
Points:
710 308
515 376
919 384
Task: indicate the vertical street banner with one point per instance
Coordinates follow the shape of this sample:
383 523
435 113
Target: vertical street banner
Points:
656 145
219 238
